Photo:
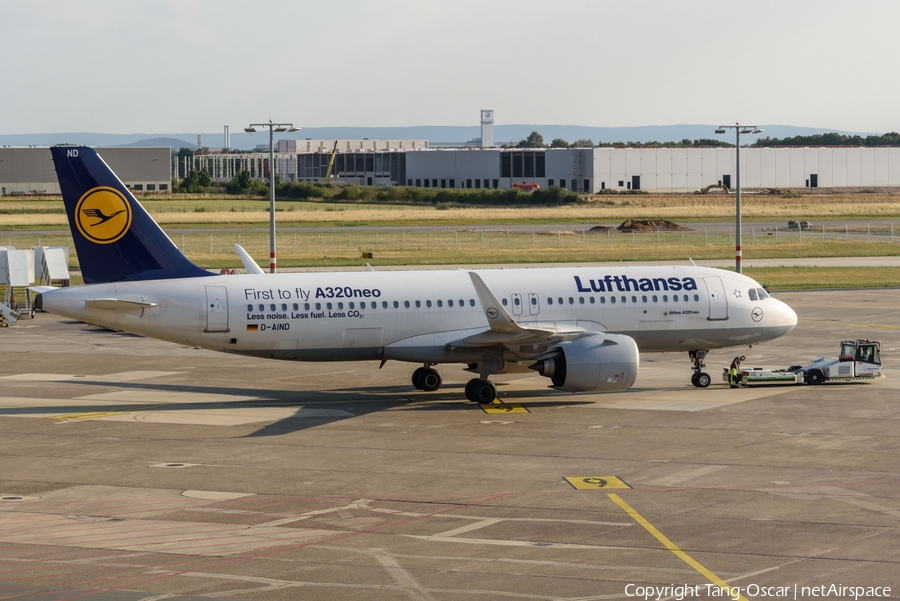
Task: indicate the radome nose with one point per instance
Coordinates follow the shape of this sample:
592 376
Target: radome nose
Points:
786 316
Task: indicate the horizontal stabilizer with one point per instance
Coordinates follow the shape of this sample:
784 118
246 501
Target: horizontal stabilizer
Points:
120 305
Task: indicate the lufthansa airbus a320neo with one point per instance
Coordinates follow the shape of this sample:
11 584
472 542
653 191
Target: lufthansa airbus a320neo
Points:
583 328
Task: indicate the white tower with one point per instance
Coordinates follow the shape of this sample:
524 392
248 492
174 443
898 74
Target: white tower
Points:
487 128
227 138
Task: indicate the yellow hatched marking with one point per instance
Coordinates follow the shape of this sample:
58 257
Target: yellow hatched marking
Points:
729 590
595 482
503 408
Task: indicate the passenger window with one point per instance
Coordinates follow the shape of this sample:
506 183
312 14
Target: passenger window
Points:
503 302
440 303
471 302
328 306
655 298
384 305
644 298
665 298
428 304
516 301
296 307
593 300
602 300
406 304
396 305
351 306
634 299
284 306
580 300
462 303
534 301
612 299
318 306
340 305
418 304
262 307
560 300
272 307
549 300
696 297
624 300
571 301
450 303
686 298
250 307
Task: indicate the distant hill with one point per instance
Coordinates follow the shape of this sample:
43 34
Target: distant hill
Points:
174 143
435 134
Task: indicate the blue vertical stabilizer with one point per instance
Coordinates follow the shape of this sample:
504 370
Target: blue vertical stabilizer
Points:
115 238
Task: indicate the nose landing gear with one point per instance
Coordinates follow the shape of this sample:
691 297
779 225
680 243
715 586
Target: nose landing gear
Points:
700 379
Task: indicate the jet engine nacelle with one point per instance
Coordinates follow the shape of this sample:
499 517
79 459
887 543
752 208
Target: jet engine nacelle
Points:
596 362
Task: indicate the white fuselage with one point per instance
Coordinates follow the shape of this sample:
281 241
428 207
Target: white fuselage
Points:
417 315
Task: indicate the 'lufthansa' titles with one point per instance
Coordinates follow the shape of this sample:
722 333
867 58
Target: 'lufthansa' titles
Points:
623 283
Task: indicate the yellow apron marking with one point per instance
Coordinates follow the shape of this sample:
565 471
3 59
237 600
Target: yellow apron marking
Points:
502 408
88 415
671 547
595 482
96 414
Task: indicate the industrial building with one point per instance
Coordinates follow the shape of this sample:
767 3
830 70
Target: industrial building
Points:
29 170
585 170
412 163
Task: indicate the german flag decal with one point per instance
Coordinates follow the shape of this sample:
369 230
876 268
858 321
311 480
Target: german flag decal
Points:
252 327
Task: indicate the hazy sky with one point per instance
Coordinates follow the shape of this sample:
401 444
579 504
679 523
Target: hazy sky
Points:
154 66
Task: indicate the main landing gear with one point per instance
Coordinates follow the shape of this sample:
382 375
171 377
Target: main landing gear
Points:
480 391
426 379
700 379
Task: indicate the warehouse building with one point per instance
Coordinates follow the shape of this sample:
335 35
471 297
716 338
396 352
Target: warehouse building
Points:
29 170
591 170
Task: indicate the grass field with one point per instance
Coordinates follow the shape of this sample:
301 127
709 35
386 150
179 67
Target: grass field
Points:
43 212
483 244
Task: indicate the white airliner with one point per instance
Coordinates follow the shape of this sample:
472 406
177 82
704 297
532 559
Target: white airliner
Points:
582 328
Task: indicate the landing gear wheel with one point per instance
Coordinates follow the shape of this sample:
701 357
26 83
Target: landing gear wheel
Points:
815 376
417 378
430 380
694 379
481 391
703 380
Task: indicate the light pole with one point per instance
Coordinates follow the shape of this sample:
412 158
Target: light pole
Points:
273 127
738 130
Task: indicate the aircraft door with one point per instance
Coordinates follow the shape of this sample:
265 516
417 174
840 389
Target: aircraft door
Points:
517 303
718 302
534 303
216 309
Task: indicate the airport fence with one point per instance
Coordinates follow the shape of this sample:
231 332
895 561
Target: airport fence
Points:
498 244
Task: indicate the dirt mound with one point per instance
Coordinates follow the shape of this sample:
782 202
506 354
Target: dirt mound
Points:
600 228
650 225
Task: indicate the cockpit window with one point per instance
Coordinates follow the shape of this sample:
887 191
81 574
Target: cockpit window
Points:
762 293
752 294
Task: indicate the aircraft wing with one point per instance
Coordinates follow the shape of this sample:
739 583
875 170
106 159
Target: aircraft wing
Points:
504 331
249 264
